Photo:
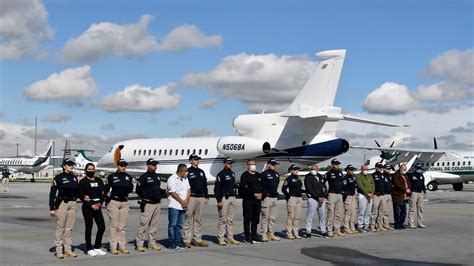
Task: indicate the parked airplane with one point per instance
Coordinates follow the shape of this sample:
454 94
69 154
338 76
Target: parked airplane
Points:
440 167
302 134
29 165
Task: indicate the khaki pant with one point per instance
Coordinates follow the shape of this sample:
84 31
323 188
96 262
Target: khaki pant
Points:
349 213
386 210
148 220
118 214
194 216
226 218
335 212
416 205
294 206
6 184
377 211
65 217
269 213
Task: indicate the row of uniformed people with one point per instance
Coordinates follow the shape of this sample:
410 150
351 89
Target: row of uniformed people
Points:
259 192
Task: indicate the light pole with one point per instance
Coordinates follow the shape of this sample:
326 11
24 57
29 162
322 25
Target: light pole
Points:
17 149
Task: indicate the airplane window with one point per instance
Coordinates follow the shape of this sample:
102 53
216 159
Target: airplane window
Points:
154 152
134 152
200 151
139 152
194 151
188 152
442 164
165 152
171 152
144 152
459 163
149 152
422 164
447 164
182 152
432 164
463 163
159 153
205 152
437 164
176 152
469 163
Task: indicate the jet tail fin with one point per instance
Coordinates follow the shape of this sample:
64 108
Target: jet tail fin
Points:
320 90
49 149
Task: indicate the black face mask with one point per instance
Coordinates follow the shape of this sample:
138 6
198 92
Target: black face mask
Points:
90 173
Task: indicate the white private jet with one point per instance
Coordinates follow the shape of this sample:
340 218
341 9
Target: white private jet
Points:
440 167
29 165
302 134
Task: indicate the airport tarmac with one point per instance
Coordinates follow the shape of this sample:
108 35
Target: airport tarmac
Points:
27 237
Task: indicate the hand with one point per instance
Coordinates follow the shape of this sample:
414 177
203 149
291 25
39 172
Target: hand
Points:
206 201
220 204
185 203
258 196
424 195
408 191
321 200
86 198
52 213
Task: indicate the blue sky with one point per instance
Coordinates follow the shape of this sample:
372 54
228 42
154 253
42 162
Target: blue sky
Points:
390 41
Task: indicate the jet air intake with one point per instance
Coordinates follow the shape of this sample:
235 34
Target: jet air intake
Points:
242 147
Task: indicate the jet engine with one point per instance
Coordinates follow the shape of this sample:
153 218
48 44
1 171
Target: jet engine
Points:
242 147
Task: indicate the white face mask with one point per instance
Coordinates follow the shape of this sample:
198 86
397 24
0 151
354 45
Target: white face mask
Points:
252 168
365 172
313 172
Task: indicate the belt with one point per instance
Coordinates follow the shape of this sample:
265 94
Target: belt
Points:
119 199
299 195
66 200
272 195
228 195
378 194
149 201
197 195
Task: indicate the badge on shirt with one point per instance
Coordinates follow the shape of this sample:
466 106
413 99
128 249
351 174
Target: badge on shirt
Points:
126 178
94 184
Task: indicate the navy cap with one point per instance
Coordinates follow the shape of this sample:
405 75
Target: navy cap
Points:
272 161
293 167
194 157
379 165
228 160
388 166
68 162
152 161
418 166
122 162
335 161
350 167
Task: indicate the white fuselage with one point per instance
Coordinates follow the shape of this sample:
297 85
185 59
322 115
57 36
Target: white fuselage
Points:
22 164
453 164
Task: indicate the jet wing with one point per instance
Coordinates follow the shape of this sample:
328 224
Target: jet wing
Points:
404 155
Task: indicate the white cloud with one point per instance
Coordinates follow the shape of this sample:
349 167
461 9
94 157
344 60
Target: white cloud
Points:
57 118
390 98
198 132
455 69
132 41
70 84
264 82
188 36
23 24
140 98
209 104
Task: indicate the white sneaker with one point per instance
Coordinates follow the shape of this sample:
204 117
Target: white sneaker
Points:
99 252
92 253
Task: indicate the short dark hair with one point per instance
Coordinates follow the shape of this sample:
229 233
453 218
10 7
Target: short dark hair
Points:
251 160
181 167
120 146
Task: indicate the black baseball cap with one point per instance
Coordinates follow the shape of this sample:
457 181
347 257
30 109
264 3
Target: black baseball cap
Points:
228 160
350 167
272 161
388 166
335 161
418 166
194 157
293 167
152 161
68 162
122 162
379 165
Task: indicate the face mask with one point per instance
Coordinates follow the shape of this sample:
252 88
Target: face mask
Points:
252 168
365 172
313 172
90 173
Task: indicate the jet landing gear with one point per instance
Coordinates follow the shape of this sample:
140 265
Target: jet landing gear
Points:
458 186
432 186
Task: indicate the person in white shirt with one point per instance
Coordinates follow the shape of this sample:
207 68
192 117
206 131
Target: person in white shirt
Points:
179 193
